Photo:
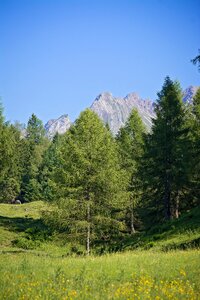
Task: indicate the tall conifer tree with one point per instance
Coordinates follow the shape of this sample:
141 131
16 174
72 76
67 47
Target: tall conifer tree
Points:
34 145
49 164
164 169
194 162
89 181
131 141
9 160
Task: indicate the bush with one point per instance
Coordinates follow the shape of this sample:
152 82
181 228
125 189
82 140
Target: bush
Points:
149 246
192 244
24 243
37 233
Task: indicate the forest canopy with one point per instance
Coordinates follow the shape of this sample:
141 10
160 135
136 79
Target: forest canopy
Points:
104 187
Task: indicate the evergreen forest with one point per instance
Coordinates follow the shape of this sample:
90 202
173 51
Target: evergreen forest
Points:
101 190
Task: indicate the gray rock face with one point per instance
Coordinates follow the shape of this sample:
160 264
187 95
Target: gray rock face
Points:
115 111
60 125
189 93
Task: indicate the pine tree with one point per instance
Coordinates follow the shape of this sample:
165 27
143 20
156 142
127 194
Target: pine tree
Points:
194 151
131 141
9 160
2 146
34 145
89 181
49 164
164 168
196 60
35 132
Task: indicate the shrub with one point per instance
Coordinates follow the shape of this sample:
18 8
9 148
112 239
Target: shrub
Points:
24 243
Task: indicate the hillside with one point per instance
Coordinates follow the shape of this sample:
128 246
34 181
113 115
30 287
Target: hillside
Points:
21 228
36 266
182 234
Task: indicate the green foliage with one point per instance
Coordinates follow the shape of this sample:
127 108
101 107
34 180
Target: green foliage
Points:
196 60
32 150
32 237
101 188
25 243
131 146
49 164
182 234
10 188
9 161
23 226
164 169
194 159
35 131
89 182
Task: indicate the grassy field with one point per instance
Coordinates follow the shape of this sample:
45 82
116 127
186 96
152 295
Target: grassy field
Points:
21 227
38 268
141 275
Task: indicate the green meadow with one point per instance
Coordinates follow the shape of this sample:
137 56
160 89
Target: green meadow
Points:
42 268
136 275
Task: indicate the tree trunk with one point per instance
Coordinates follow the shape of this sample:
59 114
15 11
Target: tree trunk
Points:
177 209
132 219
167 200
88 230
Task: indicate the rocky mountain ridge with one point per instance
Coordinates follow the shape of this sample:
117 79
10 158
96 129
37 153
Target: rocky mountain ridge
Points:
60 125
115 111
189 93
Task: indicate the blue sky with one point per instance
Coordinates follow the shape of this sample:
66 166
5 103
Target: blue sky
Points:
57 56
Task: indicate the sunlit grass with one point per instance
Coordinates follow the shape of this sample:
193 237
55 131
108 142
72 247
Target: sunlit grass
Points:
141 275
27 210
48 272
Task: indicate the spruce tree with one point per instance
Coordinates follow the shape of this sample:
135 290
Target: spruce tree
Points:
194 151
2 146
131 141
49 164
89 181
34 145
10 169
164 167
196 60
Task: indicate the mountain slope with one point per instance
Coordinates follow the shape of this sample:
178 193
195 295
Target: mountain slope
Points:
60 125
115 111
189 93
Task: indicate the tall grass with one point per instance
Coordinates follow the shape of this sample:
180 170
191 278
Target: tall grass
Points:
136 275
35 267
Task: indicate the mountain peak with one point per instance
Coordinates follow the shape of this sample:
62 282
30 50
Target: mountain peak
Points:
115 111
189 93
132 95
64 116
104 96
60 125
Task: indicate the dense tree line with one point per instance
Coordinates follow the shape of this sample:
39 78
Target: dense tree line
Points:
104 187
21 154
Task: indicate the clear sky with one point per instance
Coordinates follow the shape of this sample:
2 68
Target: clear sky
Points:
56 56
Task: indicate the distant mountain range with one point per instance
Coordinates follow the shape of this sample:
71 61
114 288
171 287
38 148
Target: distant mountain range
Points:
115 111
189 93
60 125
